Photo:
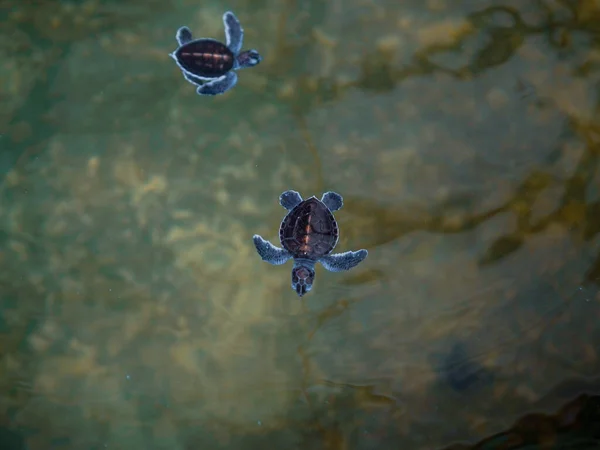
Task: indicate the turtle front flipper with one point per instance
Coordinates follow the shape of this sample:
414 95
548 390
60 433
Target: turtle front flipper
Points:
269 253
218 85
183 36
332 200
290 199
339 262
234 33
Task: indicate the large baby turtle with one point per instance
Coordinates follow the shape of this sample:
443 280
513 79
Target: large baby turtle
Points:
308 233
210 64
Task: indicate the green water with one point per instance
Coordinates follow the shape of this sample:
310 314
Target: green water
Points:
135 312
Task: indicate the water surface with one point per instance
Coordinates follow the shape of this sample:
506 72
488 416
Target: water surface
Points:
135 312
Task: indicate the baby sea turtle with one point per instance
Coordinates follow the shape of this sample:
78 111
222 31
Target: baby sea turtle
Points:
308 233
210 64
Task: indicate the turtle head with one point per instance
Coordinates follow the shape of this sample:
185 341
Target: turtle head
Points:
248 58
303 276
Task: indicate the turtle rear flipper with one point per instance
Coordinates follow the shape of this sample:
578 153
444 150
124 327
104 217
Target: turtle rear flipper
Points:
218 85
290 199
269 253
332 200
339 262
234 33
183 36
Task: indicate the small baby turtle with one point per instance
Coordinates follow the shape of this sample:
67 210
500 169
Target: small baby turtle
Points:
210 64
308 233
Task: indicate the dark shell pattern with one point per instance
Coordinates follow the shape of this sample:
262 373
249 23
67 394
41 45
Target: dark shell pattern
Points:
309 230
205 57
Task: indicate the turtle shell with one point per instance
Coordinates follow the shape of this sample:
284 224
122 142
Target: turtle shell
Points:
309 230
207 58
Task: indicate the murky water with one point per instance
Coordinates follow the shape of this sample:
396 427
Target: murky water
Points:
135 312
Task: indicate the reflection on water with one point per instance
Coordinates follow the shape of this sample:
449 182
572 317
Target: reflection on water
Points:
135 312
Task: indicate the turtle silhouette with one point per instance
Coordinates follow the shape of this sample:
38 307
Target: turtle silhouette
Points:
210 64
308 234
